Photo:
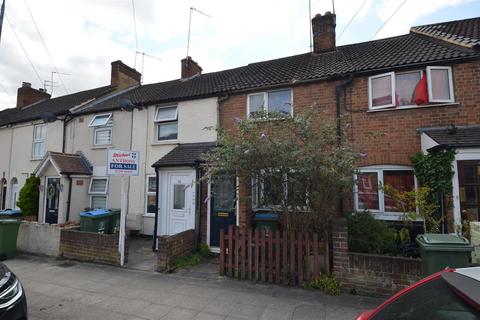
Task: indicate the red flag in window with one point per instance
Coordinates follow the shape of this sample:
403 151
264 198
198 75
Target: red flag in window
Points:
421 91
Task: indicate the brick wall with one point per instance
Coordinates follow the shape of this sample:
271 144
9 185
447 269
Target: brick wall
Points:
91 247
375 275
172 247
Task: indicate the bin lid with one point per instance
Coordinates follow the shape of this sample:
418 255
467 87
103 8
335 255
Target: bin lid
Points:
442 239
9 221
95 213
10 212
266 216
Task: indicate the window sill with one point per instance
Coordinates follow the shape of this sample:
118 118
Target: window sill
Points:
36 158
389 216
103 146
453 104
148 215
165 142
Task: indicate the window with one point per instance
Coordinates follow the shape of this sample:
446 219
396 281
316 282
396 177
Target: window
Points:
167 123
278 101
179 196
369 195
440 84
397 89
102 136
98 192
151 195
39 138
100 120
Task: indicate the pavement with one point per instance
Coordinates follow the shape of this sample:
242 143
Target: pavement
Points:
62 289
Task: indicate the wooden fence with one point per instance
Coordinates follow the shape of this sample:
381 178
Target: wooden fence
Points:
279 257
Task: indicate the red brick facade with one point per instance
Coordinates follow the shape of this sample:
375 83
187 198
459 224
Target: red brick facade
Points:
386 137
172 247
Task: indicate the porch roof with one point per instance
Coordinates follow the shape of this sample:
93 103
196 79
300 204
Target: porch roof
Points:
455 137
187 154
65 163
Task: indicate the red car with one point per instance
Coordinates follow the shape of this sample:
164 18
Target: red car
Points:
449 294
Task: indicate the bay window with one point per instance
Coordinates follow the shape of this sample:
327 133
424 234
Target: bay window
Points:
400 89
369 194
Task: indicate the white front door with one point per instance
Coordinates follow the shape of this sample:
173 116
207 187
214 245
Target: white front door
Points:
180 201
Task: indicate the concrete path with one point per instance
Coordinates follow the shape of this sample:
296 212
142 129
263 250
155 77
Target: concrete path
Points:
59 289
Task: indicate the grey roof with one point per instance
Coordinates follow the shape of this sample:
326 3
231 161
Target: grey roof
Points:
187 154
59 106
67 163
410 50
462 32
455 137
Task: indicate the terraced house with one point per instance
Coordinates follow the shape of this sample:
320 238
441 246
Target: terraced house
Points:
416 91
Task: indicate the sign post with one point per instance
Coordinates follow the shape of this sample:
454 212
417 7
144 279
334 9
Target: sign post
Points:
123 163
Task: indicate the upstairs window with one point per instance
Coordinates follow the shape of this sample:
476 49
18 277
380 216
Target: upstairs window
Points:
166 119
100 120
411 88
39 139
102 125
278 101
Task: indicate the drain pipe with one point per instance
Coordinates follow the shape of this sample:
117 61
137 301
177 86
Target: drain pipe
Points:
155 229
69 196
338 91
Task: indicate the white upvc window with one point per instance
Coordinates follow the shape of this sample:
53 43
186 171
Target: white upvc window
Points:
151 195
368 188
100 120
166 122
381 91
275 101
39 139
98 190
102 136
440 84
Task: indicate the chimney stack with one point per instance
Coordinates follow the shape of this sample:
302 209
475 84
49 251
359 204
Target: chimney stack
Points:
190 68
123 76
26 95
323 29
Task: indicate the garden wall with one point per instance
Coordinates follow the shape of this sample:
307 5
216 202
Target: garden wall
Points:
39 238
475 239
172 247
91 247
375 275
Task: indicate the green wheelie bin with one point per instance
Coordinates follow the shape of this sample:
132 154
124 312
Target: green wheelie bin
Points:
440 251
8 237
114 222
267 221
97 221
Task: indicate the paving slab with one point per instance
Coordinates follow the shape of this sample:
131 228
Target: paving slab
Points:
73 290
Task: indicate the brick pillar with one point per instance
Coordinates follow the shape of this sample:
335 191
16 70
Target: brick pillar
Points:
340 247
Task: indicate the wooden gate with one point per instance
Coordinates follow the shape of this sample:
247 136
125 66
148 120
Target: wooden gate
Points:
279 257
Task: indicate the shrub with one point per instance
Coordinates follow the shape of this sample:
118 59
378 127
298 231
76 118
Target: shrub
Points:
29 195
193 259
325 283
368 235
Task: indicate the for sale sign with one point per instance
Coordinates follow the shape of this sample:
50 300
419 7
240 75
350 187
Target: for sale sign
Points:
122 162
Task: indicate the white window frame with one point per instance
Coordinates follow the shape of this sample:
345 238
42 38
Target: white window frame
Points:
380 213
102 128
370 89
98 193
100 115
167 119
265 99
36 140
450 84
148 193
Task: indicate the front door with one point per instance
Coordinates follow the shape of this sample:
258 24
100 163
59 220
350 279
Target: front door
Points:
222 207
52 200
469 182
15 192
180 202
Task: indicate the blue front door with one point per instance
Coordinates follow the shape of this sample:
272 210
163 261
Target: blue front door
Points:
223 207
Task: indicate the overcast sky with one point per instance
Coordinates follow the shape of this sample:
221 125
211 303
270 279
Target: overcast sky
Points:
84 36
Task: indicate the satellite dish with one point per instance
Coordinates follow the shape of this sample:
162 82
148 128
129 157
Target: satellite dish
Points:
48 117
126 104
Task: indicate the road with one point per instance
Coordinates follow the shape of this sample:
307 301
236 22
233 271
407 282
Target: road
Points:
59 289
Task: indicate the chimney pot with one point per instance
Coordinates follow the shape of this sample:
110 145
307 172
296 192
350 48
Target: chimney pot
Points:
26 84
190 68
323 29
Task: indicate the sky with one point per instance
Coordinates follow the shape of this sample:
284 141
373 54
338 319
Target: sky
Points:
84 36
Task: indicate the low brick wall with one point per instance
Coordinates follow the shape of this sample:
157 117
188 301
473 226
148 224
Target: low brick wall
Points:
375 275
91 247
39 238
172 247
475 240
